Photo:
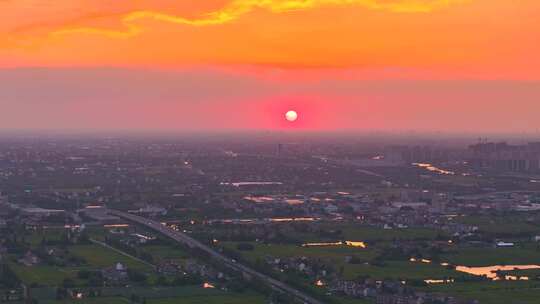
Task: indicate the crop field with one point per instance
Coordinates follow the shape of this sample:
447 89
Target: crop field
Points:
526 254
43 275
101 300
101 257
511 225
165 252
216 299
354 232
335 253
509 292
400 270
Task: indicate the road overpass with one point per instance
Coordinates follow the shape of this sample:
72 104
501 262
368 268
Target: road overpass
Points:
192 243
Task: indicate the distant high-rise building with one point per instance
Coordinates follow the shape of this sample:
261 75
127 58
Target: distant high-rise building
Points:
415 154
504 157
279 149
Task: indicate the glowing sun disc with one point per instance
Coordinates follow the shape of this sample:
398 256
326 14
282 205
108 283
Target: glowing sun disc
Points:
291 116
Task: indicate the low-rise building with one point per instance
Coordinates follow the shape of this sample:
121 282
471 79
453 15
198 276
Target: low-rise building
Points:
116 274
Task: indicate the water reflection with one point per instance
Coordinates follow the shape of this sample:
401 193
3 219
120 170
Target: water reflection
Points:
491 272
295 219
259 199
346 243
240 184
494 273
432 168
439 281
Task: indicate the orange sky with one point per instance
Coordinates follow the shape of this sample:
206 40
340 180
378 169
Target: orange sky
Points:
488 38
284 41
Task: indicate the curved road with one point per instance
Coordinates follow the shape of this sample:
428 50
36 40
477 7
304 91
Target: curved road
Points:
192 243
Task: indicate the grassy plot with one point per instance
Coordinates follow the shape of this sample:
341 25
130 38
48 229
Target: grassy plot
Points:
354 301
507 225
43 275
160 292
35 238
335 253
531 273
160 253
354 232
217 299
92 301
166 295
100 257
332 232
97 233
519 255
521 292
400 270
96 256
504 296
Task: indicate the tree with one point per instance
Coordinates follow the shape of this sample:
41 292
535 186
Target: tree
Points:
162 281
136 276
83 274
68 283
245 247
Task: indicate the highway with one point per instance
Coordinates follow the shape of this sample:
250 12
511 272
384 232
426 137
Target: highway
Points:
192 243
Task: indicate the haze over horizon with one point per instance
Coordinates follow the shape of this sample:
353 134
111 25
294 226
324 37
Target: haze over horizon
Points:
458 66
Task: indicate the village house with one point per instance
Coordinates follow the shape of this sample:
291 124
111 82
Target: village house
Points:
116 274
168 268
29 259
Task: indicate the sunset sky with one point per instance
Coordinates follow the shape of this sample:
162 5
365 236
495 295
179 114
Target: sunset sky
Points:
426 65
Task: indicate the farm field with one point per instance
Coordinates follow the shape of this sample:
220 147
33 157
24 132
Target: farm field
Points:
43 275
335 253
161 252
92 301
512 292
99 257
217 299
527 253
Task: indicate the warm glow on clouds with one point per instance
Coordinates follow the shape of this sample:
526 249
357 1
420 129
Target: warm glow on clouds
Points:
471 38
236 8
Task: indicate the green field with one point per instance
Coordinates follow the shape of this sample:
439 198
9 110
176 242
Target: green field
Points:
43 275
92 301
335 253
96 256
97 233
504 296
531 273
336 256
507 225
354 232
526 254
522 292
165 252
217 299
400 270
100 257
353 301
35 238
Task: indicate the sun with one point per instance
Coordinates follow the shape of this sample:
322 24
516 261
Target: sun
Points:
291 116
